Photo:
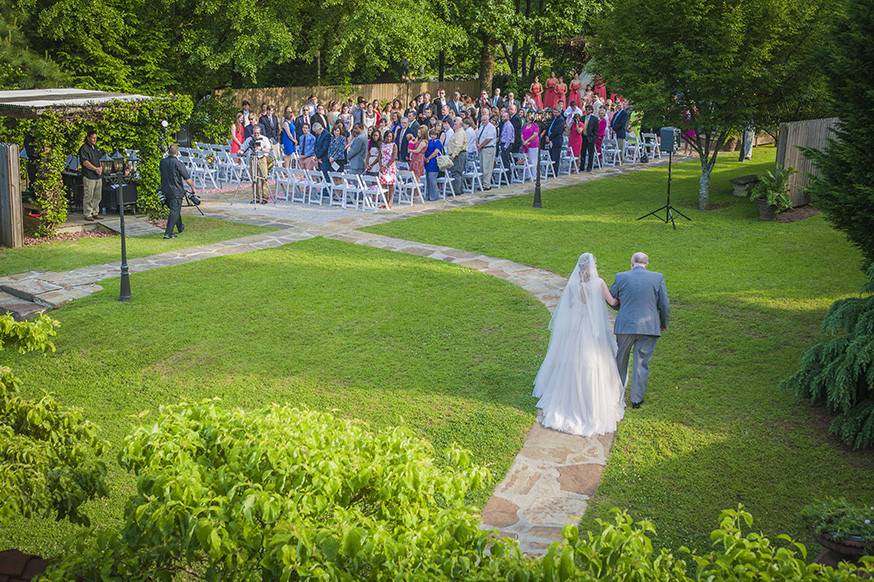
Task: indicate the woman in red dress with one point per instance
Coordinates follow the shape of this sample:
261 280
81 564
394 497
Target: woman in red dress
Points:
237 133
536 90
600 89
575 95
549 96
561 94
575 136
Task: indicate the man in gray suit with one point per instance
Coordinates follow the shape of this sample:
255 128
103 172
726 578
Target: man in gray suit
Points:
357 151
644 311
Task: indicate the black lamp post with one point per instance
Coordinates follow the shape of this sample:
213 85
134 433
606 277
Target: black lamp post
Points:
117 171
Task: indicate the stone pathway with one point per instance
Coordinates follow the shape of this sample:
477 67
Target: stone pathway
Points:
554 474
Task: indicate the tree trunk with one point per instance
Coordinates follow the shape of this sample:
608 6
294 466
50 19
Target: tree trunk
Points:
487 64
704 185
441 66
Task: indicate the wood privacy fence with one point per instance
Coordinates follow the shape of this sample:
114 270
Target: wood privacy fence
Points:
793 136
279 97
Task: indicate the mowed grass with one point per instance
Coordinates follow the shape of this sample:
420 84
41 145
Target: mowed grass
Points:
747 296
64 255
387 338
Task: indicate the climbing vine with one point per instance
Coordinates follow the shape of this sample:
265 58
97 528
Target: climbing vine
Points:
119 125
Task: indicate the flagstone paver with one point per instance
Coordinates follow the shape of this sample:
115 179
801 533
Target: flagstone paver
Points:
554 474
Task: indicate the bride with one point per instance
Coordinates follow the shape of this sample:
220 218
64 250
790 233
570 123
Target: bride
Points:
578 383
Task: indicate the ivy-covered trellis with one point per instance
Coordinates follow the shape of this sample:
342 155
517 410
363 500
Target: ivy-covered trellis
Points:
119 124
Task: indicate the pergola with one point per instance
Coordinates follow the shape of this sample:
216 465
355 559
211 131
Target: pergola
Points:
70 103
30 103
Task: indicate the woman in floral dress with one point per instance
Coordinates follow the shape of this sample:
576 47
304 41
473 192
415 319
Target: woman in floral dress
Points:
388 170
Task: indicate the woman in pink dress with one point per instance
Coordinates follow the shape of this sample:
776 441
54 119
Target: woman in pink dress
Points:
417 152
575 136
531 140
561 94
602 128
388 154
536 90
238 134
575 95
549 97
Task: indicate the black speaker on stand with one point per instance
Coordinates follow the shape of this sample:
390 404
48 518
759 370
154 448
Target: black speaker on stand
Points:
667 139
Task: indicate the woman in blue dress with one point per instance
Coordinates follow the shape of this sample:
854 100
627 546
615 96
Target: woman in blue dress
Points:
289 137
435 148
337 149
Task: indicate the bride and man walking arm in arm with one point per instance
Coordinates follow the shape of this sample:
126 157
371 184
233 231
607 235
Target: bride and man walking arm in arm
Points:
581 383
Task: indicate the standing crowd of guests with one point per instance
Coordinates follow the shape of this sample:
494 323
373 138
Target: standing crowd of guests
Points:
360 136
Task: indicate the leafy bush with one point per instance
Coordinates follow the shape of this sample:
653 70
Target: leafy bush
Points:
772 187
212 118
49 455
841 519
286 494
839 370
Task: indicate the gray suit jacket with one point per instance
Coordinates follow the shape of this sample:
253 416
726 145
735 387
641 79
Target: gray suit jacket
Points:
643 302
356 152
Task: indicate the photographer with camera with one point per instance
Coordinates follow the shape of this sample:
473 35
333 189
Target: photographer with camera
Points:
174 176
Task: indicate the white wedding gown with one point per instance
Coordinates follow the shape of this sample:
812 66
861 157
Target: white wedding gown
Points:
578 383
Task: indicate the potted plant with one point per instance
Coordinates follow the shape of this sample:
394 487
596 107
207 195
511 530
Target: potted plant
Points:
844 529
770 193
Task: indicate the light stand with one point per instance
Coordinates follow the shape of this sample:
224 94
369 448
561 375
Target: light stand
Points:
669 208
116 172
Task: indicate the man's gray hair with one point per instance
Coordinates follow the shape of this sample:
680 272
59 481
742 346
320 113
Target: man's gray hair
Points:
639 258
316 126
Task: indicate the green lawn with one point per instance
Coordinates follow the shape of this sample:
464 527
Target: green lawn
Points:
379 336
747 297
66 255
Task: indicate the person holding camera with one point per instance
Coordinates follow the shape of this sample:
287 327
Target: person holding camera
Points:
174 176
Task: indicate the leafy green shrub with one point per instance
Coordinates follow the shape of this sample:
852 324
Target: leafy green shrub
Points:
286 494
839 370
772 187
212 118
841 519
49 455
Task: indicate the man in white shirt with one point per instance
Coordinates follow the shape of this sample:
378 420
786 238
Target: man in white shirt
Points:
570 111
259 146
471 138
486 140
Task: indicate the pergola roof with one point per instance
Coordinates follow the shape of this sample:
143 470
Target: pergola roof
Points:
32 102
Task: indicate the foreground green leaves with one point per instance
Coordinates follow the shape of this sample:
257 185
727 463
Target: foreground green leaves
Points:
288 494
49 455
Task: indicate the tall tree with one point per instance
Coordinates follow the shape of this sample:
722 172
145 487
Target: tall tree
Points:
20 66
714 66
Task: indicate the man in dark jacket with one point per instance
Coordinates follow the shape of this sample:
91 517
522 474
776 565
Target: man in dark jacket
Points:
174 176
590 136
555 136
516 120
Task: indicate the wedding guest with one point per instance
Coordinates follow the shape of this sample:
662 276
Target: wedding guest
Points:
307 148
435 148
574 95
549 98
357 151
508 138
536 92
322 145
590 137
346 116
387 168
270 127
246 108
486 144
337 149
416 150
289 137
456 149
531 140
238 133
373 153
602 129
575 135
555 138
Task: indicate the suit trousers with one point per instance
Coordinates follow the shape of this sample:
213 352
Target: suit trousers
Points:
174 203
555 154
487 161
92 193
587 155
643 347
457 172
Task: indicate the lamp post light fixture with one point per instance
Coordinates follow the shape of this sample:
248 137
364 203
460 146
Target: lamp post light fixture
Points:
117 172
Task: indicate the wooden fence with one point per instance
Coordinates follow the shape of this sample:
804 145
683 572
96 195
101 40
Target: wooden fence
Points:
813 133
279 97
11 217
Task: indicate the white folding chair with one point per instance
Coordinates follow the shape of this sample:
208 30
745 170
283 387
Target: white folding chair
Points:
317 186
500 175
522 170
374 193
546 169
444 184
338 189
471 177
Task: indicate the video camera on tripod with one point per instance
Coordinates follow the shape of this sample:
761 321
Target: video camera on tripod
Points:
189 198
